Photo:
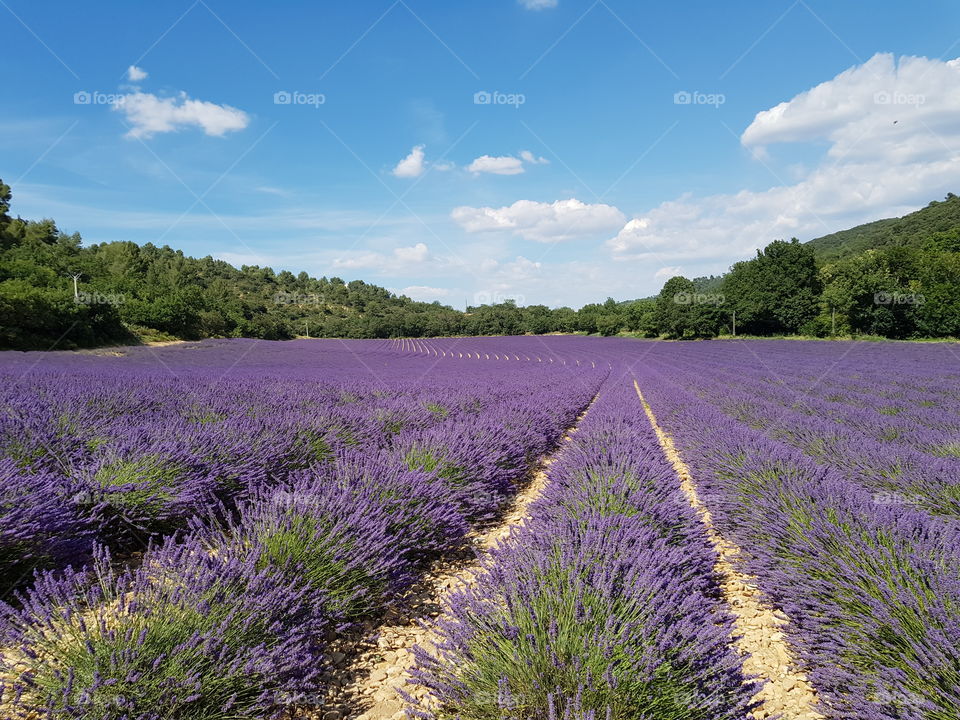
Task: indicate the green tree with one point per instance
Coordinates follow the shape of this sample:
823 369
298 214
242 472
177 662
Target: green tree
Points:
875 293
776 292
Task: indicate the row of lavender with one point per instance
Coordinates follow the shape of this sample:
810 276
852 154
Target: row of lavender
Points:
312 495
902 442
603 605
123 451
871 587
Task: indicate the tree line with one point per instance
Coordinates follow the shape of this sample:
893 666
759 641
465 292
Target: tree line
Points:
56 292
897 292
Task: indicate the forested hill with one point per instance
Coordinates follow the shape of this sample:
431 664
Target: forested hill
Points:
897 278
125 292
937 222
128 293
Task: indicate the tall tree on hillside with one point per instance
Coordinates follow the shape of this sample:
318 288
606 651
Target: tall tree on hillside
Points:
681 312
778 291
938 315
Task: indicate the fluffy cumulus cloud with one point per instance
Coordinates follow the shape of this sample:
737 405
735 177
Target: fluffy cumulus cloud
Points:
148 115
540 221
135 74
529 157
892 132
416 254
538 4
901 108
412 165
505 164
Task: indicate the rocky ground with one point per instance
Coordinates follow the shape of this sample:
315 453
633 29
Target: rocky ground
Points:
373 664
786 693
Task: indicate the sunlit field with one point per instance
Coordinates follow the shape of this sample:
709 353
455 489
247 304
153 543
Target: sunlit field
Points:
516 527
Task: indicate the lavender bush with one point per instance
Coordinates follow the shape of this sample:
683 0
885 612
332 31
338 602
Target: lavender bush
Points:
871 589
188 635
603 606
293 478
39 527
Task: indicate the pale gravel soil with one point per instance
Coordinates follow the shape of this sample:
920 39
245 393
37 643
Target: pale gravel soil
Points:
372 671
766 653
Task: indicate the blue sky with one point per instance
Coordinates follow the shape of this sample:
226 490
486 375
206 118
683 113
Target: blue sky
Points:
554 151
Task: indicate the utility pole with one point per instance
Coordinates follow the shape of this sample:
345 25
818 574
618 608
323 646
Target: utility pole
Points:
76 292
734 323
833 321
306 327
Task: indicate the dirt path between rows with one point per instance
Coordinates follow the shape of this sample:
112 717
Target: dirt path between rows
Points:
786 691
369 674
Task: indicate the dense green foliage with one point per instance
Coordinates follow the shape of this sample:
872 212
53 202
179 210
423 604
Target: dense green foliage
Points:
896 278
893 278
914 230
126 291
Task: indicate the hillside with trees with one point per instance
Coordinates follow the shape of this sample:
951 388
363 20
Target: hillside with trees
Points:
897 278
939 221
54 290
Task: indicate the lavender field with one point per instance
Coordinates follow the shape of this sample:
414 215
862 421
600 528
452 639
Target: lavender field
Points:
605 529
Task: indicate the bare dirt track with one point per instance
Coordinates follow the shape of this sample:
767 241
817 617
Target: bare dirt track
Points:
786 692
369 673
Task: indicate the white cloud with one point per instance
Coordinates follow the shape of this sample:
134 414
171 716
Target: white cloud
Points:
880 105
893 143
520 269
135 74
412 165
401 259
425 293
542 222
529 157
668 272
504 165
416 254
148 115
538 4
